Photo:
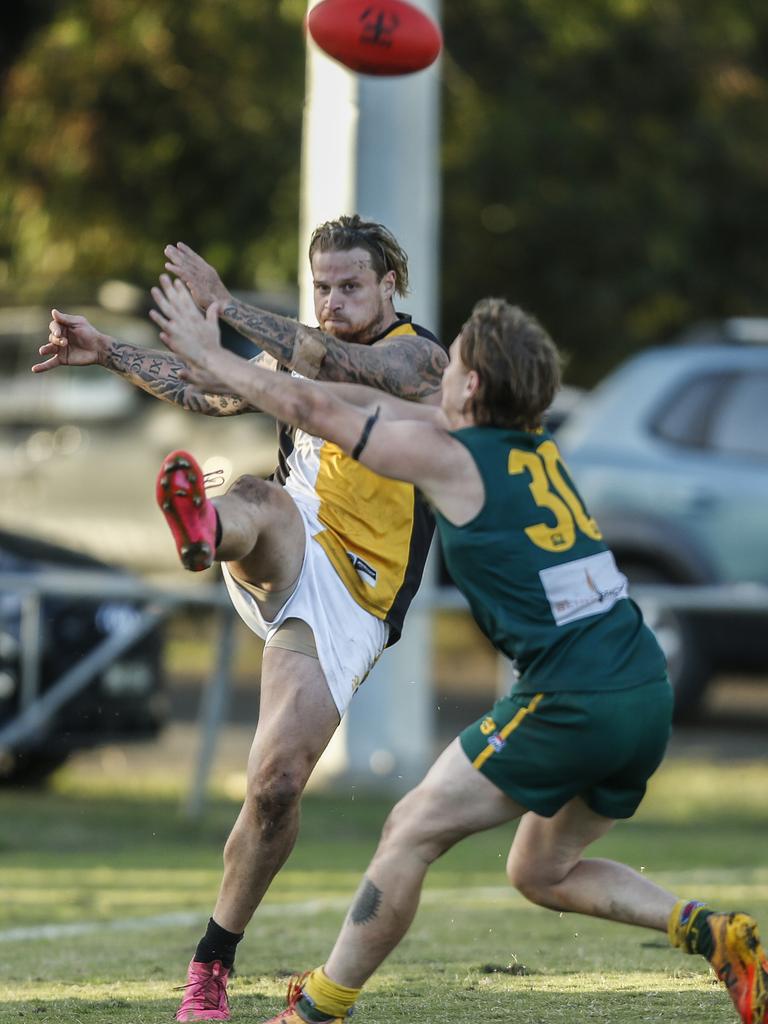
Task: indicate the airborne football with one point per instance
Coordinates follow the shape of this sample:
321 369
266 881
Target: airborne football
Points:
387 37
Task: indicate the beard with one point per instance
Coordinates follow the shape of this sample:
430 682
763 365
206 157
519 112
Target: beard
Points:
359 333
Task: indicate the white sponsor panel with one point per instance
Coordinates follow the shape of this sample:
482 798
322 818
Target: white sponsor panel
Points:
586 586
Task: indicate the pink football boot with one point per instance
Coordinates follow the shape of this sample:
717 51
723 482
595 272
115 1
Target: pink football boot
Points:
205 994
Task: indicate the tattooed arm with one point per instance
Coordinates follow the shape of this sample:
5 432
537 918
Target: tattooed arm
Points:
73 341
158 373
408 366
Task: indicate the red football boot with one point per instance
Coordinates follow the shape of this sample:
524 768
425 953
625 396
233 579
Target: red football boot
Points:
191 516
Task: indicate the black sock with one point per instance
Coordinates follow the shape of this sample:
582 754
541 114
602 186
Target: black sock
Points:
217 944
218 542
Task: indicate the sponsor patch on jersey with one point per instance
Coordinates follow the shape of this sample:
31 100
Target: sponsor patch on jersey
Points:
365 571
586 586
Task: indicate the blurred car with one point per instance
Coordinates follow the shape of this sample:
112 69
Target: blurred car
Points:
123 702
671 454
566 400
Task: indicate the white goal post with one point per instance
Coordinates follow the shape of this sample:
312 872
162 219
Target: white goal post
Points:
371 146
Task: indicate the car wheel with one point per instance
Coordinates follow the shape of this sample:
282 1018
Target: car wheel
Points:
29 768
680 639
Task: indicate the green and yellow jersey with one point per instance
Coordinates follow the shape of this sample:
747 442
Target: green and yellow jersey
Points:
375 532
539 579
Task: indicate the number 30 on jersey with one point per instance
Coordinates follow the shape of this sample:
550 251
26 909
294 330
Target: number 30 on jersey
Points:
550 490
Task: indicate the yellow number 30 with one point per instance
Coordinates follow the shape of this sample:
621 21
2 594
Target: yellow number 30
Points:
550 491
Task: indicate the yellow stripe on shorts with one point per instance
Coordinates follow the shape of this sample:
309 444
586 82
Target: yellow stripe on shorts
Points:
510 727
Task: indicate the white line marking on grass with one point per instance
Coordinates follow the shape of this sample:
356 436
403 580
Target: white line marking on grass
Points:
132 924
182 919
494 896
60 931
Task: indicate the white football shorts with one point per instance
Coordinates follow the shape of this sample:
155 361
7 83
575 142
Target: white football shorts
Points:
349 639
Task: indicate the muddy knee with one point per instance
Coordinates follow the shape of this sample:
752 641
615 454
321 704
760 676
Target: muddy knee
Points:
251 489
273 800
262 533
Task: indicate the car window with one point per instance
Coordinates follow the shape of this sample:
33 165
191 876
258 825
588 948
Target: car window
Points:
740 423
686 414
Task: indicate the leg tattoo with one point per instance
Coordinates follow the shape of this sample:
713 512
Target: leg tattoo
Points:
367 903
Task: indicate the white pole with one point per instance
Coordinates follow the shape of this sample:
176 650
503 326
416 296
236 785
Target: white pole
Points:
370 146
328 155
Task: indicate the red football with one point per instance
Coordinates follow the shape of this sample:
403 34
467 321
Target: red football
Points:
375 37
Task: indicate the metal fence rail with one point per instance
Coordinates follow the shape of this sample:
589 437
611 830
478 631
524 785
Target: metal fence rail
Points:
36 708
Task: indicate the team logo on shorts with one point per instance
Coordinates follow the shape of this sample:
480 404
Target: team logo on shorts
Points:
497 741
487 725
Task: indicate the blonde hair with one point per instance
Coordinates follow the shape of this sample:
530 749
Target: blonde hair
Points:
517 363
353 232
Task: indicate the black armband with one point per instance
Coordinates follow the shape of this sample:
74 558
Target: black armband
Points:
357 451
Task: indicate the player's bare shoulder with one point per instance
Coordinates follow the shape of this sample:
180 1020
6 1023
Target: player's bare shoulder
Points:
454 485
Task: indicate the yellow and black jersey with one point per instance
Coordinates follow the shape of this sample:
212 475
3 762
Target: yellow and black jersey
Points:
375 532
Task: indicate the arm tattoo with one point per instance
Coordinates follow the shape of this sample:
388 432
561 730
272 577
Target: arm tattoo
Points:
408 367
275 334
366 904
158 375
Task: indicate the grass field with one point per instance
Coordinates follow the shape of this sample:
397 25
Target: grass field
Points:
125 885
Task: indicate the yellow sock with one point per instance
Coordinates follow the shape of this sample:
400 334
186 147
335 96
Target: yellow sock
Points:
674 931
327 996
684 924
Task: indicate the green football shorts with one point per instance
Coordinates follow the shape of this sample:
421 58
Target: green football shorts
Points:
543 749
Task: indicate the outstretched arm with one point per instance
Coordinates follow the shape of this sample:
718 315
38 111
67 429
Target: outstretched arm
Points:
410 367
159 374
420 451
74 341
317 409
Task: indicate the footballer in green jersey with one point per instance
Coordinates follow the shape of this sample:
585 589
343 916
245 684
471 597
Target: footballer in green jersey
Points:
571 748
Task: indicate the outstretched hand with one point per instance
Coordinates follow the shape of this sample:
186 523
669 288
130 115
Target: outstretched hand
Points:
187 332
200 277
72 341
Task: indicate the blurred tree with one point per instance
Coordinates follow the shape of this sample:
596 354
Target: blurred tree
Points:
605 165
127 125
19 23
605 160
